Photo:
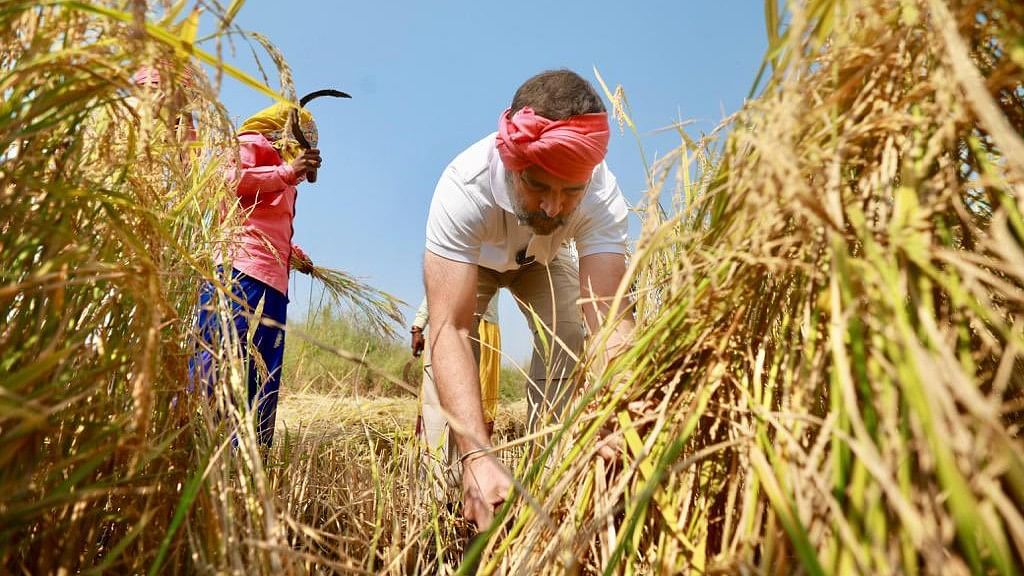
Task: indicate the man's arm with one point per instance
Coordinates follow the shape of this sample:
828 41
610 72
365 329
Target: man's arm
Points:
600 276
422 315
418 323
451 298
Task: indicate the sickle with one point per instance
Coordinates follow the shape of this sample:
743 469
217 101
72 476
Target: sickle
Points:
297 131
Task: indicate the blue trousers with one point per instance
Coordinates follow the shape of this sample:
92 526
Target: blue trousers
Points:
268 342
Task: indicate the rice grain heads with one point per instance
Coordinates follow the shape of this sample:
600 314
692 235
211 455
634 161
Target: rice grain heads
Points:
830 342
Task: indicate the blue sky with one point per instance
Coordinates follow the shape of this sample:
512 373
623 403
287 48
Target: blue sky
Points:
430 78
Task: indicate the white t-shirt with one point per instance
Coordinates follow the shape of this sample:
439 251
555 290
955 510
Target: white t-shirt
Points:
472 219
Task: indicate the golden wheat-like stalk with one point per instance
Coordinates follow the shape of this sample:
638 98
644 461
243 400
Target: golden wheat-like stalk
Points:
380 310
830 336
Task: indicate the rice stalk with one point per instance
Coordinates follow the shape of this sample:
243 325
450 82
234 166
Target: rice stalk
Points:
829 344
380 310
113 460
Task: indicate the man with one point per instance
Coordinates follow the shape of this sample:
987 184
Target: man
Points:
260 254
500 217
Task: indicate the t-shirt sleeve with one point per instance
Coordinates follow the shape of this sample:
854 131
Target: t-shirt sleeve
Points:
422 315
455 222
603 227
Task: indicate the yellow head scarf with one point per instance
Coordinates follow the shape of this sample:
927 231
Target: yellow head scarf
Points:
274 122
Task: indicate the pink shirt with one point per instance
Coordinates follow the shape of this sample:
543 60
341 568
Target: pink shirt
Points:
266 196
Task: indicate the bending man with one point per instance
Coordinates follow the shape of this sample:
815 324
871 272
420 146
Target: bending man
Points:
501 216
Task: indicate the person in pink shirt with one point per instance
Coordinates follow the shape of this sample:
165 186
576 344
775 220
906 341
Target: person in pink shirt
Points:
148 78
271 165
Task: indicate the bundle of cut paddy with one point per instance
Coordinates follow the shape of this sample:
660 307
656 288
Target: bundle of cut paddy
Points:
830 338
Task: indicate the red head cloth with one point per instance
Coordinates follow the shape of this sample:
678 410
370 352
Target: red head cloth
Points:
567 149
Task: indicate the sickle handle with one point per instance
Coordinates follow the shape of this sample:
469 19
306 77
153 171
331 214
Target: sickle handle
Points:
297 131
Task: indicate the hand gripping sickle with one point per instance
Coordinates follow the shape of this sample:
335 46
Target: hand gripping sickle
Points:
297 130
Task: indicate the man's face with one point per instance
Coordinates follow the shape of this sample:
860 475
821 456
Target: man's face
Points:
542 201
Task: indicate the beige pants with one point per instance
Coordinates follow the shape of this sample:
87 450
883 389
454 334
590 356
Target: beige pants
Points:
547 296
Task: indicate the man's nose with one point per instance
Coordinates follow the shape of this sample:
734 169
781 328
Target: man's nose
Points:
552 204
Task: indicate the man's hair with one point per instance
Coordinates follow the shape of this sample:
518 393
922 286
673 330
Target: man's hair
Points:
557 95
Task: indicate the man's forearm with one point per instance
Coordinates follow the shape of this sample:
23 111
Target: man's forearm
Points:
621 337
600 276
458 385
451 299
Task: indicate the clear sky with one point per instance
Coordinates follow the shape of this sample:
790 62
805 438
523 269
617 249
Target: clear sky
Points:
430 78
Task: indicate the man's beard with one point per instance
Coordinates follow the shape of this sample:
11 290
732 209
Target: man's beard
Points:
539 221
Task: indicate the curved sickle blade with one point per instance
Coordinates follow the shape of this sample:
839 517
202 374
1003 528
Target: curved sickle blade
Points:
296 131
318 93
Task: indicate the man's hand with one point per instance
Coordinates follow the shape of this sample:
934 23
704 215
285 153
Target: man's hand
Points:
611 445
485 486
309 160
417 341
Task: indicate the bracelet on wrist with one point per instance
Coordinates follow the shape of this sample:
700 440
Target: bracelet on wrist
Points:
464 457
